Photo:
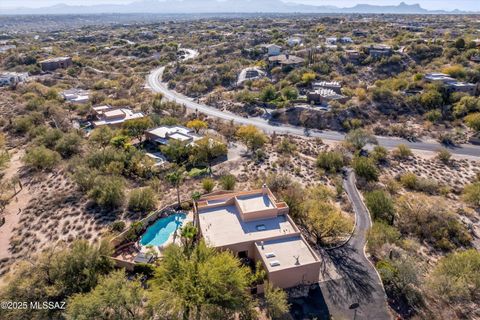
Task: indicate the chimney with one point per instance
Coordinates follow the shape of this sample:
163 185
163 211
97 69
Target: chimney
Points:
264 188
287 56
261 243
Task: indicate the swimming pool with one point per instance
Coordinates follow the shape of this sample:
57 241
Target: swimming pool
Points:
159 232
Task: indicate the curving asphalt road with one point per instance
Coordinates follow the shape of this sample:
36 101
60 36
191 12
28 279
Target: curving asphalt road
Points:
155 84
359 292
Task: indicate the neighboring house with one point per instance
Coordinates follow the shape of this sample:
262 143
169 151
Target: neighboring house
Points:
450 84
378 51
294 41
12 78
56 63
331 41
114 117
7 47
352 55
162 135
252 73
475 59
76 95
285 60
255 225
273 50
325 96
346 40
360 33
332 85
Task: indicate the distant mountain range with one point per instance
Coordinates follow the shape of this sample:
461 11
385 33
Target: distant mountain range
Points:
228 6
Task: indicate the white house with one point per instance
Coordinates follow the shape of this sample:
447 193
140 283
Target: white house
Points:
76 95
108 116
12 78
273 50
294 41
163 134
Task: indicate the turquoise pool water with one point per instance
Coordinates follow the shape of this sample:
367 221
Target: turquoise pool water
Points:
159 232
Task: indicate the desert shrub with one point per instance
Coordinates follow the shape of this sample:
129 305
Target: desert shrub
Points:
41 158
117 226
401 279
471 194
413 182
456 277
444 155
331 161
142 200
69 144
381 234
430 221
108 191
379 154
402 152
208 184
365 168
380 205
228 182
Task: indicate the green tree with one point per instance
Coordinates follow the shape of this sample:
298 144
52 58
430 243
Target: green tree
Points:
253 138
276 302
101 136
466 105
142 200
176 178
228 181
188 234
380 205
473 121
197 125
456 277
41 158
269 93
108 191
136 127
54 275
365 168
331 161
69 144
207 284
115 297
359 138
431 99
471 194
206 150
176 151
321 217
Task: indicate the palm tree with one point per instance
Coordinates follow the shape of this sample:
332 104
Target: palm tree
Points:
188 234
176 178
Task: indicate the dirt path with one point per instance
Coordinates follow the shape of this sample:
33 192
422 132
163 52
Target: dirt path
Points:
13 210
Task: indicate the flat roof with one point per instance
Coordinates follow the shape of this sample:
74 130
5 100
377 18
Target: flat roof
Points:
254 202
163 131
222 226
285 252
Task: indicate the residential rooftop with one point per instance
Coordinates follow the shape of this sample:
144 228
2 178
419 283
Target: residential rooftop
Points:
285 253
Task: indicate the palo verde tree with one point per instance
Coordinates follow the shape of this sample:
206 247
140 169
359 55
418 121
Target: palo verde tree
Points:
176 177
206 284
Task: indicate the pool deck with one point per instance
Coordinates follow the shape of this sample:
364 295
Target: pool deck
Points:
173 238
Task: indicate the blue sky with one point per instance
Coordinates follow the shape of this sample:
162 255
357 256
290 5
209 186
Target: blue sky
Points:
473 5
